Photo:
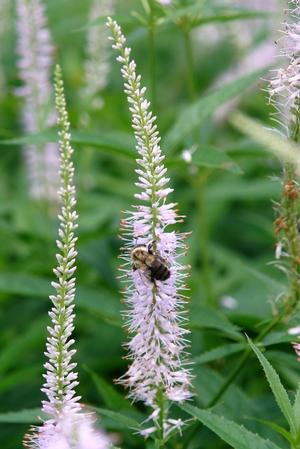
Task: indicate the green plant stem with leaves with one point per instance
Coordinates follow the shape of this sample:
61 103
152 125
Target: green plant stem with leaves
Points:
152 57
286 225
202 178
190 62
240 365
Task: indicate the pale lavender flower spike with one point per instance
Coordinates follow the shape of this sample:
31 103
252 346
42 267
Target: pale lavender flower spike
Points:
67 427
96 66
35 49
284 86
156 309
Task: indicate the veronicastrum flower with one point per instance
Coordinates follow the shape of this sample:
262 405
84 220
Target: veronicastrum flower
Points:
35 51
284 86
67 427
157 348
96 65
284 90
164 2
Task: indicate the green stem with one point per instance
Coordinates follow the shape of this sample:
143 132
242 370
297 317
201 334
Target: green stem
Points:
152 59
288 225
160 403
152 69
209 297
190 72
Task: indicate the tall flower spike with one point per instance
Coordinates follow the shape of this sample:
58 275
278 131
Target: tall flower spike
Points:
34 49
284 95
67 427
284 86
155 312
96 65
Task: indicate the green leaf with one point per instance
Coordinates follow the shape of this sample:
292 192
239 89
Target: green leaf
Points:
120 418
111 397
43 137
240 188
277 388
275 338
283 358
205 317
24 416
121 144
10 355
217 353
296 406
273 285
207 156
101 301
277 428
101 20
206 15
235 435
194 114
19 376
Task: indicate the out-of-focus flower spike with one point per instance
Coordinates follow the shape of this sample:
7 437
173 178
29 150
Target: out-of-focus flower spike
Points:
35 49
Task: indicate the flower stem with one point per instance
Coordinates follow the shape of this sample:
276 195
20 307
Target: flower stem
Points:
190 72
152 58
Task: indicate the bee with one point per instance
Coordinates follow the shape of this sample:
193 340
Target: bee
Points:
151 267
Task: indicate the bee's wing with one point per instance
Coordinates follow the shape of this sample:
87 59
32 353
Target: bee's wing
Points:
145 277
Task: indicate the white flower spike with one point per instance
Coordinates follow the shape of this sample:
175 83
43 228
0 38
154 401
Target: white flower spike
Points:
67 427
35 49
155 299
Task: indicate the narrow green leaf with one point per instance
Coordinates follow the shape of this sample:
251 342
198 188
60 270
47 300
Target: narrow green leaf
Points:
207 156
273 285
205 317
111 397
101 301
101 20
17 377
43 137
275 338
241 188
121 144
10 355
202 14
217 353
120 418
235 435
296 406
277 428
277 388
194 114
24 416
227 15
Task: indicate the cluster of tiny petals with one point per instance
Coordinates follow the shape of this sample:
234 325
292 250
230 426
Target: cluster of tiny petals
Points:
156 311
35 49
68 427
284 86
